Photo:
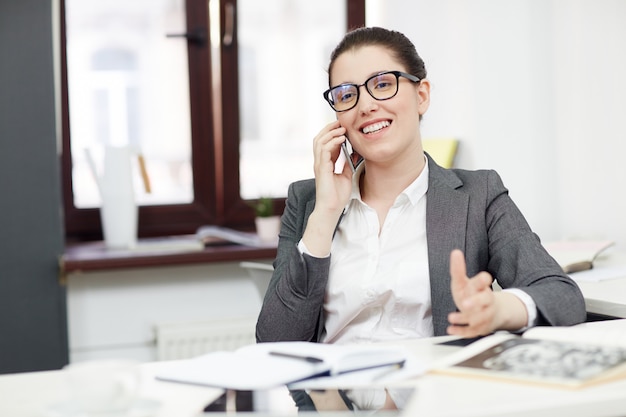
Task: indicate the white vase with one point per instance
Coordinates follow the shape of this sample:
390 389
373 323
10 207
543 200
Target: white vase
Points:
267 228
118 210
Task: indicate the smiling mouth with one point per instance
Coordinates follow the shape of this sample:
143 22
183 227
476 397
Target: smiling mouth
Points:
375 127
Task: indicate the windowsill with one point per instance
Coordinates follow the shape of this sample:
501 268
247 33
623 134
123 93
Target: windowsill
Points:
95 256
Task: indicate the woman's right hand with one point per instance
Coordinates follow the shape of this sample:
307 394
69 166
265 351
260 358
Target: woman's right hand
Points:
332 190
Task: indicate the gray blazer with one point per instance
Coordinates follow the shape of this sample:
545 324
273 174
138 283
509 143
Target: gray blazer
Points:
469 210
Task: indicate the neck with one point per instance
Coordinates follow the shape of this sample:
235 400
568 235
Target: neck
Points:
386 182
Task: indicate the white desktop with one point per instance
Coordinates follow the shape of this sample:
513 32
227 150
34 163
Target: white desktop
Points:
49 394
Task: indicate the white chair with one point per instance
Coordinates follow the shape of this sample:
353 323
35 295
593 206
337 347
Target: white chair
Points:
260 274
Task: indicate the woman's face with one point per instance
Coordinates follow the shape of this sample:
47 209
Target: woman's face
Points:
381 131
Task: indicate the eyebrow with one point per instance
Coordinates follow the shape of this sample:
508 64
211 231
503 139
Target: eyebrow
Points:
366 78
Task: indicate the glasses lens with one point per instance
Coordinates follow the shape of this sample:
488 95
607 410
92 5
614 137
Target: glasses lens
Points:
383 86
344 96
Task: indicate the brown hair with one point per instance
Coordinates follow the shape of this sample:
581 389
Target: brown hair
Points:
401 48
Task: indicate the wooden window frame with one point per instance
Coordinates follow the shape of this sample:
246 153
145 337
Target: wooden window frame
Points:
215 141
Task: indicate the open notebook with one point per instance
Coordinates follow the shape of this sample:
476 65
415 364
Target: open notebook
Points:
269 365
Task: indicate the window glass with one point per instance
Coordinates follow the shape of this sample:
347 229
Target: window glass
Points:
284 48
128 85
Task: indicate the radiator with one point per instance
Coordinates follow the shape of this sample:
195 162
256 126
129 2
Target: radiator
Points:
181 340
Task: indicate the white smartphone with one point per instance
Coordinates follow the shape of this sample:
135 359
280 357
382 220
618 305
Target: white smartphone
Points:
344 156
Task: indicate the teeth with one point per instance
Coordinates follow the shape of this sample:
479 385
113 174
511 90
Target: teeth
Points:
375 127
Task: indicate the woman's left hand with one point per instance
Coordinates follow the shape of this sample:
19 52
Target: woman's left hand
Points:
481 311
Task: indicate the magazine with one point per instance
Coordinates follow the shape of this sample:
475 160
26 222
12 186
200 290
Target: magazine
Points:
567 357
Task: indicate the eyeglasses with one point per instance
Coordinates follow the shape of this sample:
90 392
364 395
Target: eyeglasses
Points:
381 86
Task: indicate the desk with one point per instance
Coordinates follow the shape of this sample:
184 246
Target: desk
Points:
606 297
34 394
437 395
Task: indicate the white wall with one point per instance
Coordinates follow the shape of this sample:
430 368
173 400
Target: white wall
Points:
114 313
536 90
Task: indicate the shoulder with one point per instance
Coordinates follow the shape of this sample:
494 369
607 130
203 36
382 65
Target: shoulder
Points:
464 180
479 178
301 193
302 189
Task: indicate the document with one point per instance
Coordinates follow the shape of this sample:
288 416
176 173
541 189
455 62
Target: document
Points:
576 255
566 357
269 365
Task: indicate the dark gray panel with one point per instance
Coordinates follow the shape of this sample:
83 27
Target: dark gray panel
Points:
33 324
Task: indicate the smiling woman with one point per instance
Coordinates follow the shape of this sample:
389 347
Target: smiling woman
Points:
401 248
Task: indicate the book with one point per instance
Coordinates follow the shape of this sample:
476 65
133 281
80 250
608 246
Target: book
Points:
576 255
270 365
565 357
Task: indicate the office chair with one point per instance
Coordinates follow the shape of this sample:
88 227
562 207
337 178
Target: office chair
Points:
441 150
260 273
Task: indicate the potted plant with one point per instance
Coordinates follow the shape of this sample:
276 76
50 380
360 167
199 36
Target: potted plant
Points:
267 223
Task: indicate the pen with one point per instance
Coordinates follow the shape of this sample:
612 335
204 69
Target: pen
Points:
389 370
310 359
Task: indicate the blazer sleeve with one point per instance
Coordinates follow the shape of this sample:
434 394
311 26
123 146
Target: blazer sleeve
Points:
293 304
517 259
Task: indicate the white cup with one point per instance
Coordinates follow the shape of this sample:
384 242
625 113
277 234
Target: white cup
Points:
119 209
103 386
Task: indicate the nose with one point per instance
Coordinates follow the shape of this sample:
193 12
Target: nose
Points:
366 103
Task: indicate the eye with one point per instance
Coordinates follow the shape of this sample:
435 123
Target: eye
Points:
344 93
382 82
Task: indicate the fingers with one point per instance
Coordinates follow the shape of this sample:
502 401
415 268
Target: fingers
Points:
462 287
326 147
473 298
332 190
475 317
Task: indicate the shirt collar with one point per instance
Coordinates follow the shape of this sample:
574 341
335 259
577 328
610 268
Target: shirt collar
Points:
417 189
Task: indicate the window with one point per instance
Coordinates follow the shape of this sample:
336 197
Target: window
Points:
191 85
282 71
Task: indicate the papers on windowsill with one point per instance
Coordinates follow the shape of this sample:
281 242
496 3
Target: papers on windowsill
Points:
211 233
166 244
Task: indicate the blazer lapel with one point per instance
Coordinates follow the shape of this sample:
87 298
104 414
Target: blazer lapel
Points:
446 224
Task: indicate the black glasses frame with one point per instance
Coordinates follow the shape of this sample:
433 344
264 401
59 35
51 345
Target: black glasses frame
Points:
327 96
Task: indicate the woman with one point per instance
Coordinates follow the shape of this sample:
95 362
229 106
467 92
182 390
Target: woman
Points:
401 248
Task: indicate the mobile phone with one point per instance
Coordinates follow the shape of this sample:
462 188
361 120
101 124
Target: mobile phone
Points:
344 155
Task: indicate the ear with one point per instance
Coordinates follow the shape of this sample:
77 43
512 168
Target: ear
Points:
423 93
